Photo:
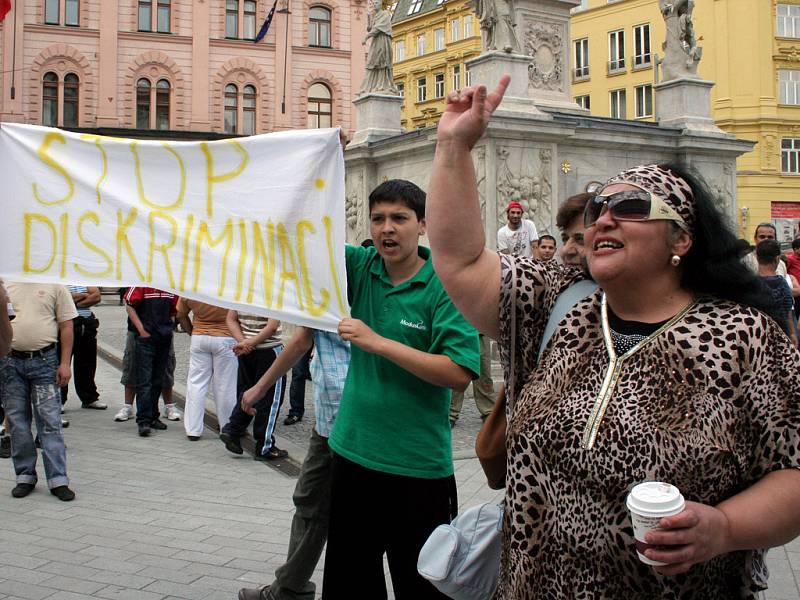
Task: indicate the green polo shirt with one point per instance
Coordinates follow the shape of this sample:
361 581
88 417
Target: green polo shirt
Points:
390 420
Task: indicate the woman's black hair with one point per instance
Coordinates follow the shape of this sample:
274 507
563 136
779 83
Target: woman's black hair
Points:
712 266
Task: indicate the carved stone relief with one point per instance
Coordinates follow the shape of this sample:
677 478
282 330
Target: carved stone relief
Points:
353 206
479 159
544 42
722 189
523 175
769 152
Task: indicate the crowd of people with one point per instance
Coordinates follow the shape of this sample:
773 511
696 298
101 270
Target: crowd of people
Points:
678 366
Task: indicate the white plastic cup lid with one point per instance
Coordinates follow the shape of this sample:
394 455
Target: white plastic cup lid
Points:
655 497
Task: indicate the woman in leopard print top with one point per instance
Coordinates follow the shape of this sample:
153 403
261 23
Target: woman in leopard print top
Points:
668 372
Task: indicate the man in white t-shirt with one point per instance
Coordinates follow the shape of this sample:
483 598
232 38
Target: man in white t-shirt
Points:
518 236
764 231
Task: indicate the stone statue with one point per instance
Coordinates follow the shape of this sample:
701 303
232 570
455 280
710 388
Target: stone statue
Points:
378 76
681 52
496 18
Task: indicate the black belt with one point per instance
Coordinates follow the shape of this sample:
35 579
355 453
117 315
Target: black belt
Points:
28 354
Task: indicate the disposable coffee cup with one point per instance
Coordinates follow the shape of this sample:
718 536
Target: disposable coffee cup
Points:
648 503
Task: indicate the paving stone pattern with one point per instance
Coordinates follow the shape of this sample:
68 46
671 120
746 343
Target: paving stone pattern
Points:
162 518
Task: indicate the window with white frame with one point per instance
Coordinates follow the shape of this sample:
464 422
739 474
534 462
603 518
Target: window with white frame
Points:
467 26
583 102
57 12
240 109
320 106
414 7
401 89
641 45
644 101
790 155
618 99
582 58
60 100
457 77
467 78
789 82
152 104
438 85
788 20
400 50
420 44
240 17
616 50
422 90
154 15
319 27
455 30
438 39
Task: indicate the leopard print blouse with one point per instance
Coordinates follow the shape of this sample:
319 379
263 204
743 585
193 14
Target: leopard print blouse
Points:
711 405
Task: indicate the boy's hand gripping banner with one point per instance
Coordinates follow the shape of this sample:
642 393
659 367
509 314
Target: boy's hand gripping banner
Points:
255 224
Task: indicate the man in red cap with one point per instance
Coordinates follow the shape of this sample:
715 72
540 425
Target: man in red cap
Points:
518 236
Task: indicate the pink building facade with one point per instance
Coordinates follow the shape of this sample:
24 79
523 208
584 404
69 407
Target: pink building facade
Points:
182 66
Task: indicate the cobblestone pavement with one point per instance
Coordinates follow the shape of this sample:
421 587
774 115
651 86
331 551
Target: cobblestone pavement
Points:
162 518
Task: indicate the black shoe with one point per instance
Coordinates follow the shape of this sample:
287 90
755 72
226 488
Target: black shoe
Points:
63 493
144 430
158 424
22 489
272 454
5 447
232 444
193 438
292 419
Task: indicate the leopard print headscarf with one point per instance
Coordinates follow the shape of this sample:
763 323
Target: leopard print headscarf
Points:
665 184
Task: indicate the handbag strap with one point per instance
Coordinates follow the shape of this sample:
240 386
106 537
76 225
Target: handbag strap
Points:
565 301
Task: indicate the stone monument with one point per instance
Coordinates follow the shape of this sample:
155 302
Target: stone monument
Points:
683 99
540 147
378 101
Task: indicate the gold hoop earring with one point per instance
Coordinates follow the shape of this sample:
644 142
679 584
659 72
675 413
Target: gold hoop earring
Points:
675 260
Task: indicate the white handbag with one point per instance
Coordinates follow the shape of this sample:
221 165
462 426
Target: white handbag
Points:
461 559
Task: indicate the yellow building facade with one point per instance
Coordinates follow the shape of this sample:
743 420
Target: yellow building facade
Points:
751 50
432 39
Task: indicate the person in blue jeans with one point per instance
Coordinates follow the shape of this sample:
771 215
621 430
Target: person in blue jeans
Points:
297 389
32 374
151 315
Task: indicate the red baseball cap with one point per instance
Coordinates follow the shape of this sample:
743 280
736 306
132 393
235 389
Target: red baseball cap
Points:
514 204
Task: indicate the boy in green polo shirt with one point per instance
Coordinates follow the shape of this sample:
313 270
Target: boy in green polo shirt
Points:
392 480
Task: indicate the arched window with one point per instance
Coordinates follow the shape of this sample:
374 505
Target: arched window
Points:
319 27
162 104
50 100
240 109
70 100
143 104
60 100
231 108
319 106
249 110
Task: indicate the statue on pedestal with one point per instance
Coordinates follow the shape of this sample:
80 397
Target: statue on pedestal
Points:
681 52
378 76
496 18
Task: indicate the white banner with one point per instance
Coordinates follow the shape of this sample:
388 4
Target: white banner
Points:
255 224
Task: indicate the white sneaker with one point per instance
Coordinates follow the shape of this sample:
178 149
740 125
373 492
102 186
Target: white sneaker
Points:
171 412
125 413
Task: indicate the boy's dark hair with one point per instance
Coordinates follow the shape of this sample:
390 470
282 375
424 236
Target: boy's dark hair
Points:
400 190
571 207
767 251
795 243
547 236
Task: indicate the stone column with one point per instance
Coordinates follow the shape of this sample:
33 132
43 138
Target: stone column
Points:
543 29
378 116
107 67
685 103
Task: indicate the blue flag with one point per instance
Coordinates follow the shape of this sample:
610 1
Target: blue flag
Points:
265 27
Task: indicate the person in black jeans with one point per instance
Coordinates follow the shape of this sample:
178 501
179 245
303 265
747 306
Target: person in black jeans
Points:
151 315
297 389
84 348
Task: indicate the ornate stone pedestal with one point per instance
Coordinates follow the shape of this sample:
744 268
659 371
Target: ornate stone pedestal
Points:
490 66
378 117
685 103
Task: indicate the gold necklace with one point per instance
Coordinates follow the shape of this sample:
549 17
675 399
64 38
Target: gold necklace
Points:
614 369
